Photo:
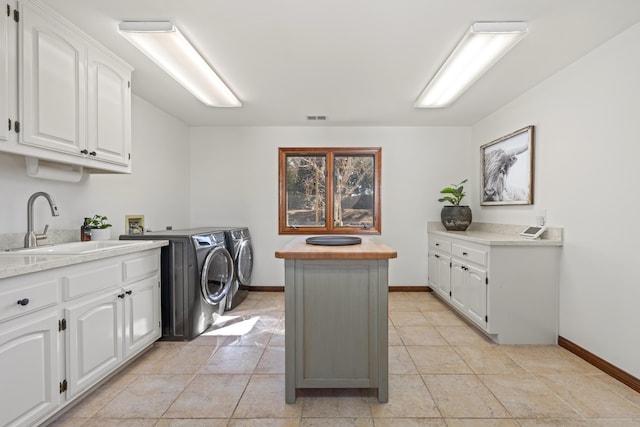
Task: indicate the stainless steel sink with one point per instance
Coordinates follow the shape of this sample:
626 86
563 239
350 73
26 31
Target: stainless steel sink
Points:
75 248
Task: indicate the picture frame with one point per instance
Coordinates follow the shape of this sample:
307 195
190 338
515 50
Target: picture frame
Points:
507 168
134 225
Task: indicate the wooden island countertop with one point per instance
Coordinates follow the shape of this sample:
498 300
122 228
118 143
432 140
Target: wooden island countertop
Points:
370 248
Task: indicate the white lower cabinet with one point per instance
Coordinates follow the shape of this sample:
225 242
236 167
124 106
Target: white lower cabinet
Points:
141 315
440 273
29 369
508 289
469 291
94 341
64 330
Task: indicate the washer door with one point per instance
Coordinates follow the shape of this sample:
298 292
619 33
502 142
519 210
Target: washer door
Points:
245 262
216 276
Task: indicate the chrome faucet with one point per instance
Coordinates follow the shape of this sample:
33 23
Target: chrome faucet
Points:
31 238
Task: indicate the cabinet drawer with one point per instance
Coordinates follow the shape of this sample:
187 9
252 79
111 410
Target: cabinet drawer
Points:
84 282
33 297
472 255
439 244
141 267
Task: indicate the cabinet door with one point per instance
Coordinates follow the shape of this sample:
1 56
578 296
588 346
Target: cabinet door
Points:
53 94
4 77
109 121
29 368
476 294
142 314
440 273
94 340
459 287
433 271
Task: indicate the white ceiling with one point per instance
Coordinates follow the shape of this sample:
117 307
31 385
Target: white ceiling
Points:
359 62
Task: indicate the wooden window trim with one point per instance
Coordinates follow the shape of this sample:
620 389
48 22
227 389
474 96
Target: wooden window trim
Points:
329 228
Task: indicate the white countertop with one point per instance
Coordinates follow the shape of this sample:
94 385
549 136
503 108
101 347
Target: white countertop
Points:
15 264
499 234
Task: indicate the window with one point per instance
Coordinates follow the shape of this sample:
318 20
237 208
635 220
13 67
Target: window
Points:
329 190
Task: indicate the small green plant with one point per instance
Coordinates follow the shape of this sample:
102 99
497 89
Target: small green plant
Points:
99 221
455 194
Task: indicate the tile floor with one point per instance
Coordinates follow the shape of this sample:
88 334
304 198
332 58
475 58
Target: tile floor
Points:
441 373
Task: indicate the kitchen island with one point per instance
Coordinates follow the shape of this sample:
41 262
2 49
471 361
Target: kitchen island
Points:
336 316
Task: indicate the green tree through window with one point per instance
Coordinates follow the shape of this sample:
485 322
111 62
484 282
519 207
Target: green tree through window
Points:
329 190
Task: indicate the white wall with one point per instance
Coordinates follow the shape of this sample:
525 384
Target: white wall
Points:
157 188
586 176
234 179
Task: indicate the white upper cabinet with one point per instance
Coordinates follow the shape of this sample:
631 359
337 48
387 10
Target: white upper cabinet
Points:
4 74
109 117
67 97
53 84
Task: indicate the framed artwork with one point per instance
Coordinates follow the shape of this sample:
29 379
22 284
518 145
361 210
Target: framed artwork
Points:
134 224
507 169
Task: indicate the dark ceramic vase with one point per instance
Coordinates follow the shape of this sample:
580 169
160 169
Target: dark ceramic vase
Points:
456 218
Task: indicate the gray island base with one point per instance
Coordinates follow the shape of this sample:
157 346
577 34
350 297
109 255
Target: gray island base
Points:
336 316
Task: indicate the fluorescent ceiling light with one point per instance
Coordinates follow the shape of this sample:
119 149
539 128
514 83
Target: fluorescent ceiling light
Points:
480 48
165 45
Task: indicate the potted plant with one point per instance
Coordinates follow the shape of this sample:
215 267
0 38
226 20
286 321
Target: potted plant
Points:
99 228
455 217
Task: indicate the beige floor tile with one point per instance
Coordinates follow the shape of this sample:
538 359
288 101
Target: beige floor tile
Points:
265 422
178 360
408 318
209 396
420 335
617 387
68 422
462 335
277 339
525 396
336 403
488 360
253 337
400 362
586 395
95 401
566 422
160 349
337 422
105 422
408 397
432 304
548 359
444 318
394 337
479 422
437 359
148 396
402 306
410 422
463 396
559 422
264 398
233 360
186 422
272 361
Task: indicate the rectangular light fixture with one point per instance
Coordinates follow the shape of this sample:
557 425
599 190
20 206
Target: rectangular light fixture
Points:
478 50
165 45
